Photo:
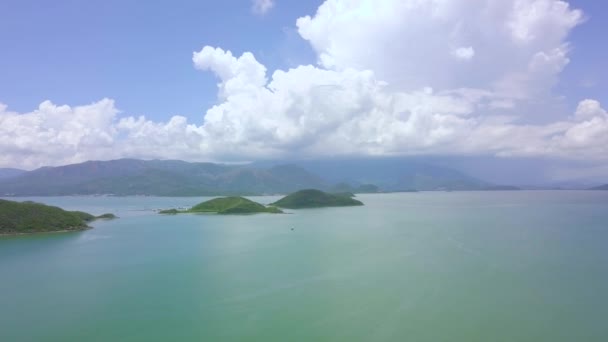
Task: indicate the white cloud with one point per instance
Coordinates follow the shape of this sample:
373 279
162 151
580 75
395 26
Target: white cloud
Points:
464 53
588 109
55 134
518 45
262 6
236 75
330 113
399 88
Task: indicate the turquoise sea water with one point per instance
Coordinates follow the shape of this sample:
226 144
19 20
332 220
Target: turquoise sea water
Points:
431 266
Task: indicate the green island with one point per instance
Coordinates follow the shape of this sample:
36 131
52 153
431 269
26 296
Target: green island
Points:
106 216
312 198
31 217
227 205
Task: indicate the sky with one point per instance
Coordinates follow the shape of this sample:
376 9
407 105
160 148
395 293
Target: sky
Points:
243 80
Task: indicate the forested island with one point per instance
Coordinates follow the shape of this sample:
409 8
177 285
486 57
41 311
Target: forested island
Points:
31 217
312 198
227 205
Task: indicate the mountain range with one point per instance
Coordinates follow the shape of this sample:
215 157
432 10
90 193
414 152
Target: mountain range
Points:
394 174
10 173
180 178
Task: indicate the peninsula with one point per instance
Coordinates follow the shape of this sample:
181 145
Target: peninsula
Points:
31 217
312 198
227 205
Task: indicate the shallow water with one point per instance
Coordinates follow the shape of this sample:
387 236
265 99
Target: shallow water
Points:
430 266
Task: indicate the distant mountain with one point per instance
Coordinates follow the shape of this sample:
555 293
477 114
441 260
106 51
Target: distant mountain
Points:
158 177
392 174
601 187
500 188
179 178
361 189
10 173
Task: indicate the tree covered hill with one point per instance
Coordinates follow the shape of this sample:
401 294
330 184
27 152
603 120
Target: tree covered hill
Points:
227 205
312 198
31 217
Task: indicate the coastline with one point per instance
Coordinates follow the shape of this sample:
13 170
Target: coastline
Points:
46 232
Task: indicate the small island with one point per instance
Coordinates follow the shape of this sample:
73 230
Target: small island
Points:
227 205
312 198
106 216
31 217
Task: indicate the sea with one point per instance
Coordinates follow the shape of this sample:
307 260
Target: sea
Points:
426 266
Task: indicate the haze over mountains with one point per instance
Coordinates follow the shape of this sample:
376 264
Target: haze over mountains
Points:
180 178
9 172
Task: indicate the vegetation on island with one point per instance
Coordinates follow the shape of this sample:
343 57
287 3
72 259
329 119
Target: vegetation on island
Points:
170 211
86 217
31 217
312 198
346 194
106 216
227 205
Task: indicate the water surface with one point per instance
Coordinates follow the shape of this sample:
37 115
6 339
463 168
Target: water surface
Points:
431 266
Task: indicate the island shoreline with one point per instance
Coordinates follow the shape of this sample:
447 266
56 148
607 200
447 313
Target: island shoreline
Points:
49 232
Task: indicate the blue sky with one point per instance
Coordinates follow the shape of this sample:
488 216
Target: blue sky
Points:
512 79
76 52
587 72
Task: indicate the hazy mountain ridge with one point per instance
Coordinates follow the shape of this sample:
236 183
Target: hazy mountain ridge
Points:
158 177
6 173
393 174
601 187
180 178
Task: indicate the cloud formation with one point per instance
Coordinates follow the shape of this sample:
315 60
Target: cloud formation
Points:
402 77
465 53
262 6
518 45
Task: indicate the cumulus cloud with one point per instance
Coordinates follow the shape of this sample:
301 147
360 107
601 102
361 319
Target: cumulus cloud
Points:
464 53
588 138
411 44
301 112
588 109
398 77
52 134
262 6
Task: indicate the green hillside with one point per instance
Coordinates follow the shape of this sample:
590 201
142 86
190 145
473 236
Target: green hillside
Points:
312 198
227 205
30 217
